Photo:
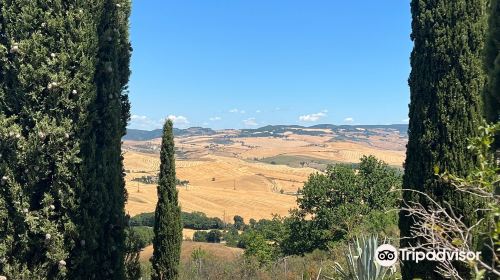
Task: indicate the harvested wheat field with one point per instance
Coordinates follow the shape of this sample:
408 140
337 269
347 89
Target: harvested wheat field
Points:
215 249
253 177
219 185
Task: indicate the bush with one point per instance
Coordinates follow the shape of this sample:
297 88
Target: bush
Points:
232 237
144 235
239 223
213 236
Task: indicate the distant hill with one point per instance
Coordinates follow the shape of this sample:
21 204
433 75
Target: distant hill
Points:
270 130
402 128
143 135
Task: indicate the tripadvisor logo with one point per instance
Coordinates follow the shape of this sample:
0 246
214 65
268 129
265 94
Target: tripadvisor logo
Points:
387 255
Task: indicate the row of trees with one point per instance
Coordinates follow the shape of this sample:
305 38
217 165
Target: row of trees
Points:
64 67
194 220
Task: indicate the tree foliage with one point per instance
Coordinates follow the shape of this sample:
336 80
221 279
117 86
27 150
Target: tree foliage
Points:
194 220
168 226
446 84
50 57
492 64
334 205
212 236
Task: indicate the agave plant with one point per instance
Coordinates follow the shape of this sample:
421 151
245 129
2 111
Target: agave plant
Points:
361 264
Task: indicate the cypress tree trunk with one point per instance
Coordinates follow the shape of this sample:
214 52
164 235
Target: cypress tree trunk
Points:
168 228
446 83
492 63
47 54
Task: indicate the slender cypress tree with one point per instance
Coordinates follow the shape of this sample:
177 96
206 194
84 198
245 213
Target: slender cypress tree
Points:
492 63
168 227
446 83
47 54
102 216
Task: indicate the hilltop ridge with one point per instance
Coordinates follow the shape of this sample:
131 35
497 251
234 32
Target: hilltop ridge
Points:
272 130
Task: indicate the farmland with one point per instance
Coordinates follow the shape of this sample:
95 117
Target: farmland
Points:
246 173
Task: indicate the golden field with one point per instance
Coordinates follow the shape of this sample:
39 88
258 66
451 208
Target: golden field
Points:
253 177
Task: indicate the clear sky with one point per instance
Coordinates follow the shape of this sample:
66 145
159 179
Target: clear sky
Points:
250 63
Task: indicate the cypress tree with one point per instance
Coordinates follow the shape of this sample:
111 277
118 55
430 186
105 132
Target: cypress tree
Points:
446 84
63 110
47 54
101 216
492 63
168 227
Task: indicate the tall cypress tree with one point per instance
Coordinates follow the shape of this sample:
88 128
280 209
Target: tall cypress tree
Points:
492 63
47 54
64 67
102 216
446 83
168 228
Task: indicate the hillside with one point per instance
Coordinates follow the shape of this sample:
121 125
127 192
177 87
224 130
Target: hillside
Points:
253 172
273 130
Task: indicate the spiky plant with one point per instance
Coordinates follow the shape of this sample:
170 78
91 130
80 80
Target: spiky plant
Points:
361 264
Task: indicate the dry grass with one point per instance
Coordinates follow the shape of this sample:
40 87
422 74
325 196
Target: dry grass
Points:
240 188
225 181
215 249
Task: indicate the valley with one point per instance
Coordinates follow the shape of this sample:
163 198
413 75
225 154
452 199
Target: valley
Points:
251 173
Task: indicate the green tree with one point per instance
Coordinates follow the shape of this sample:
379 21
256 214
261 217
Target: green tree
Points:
335 205
100 218
492 63
446 83
133 246
168 227
257 246
232 237
239 223
214 236
48 62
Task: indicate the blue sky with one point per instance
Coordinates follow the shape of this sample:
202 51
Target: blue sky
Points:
250 63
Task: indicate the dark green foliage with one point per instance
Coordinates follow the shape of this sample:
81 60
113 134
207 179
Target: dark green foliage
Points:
168 226
200 236
61 216
199 221
47 92
272 230
239 223
213 236
143 219
194 220
446 84
101 218
257 246
144 235
335 206
492 63
232 237
133 246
